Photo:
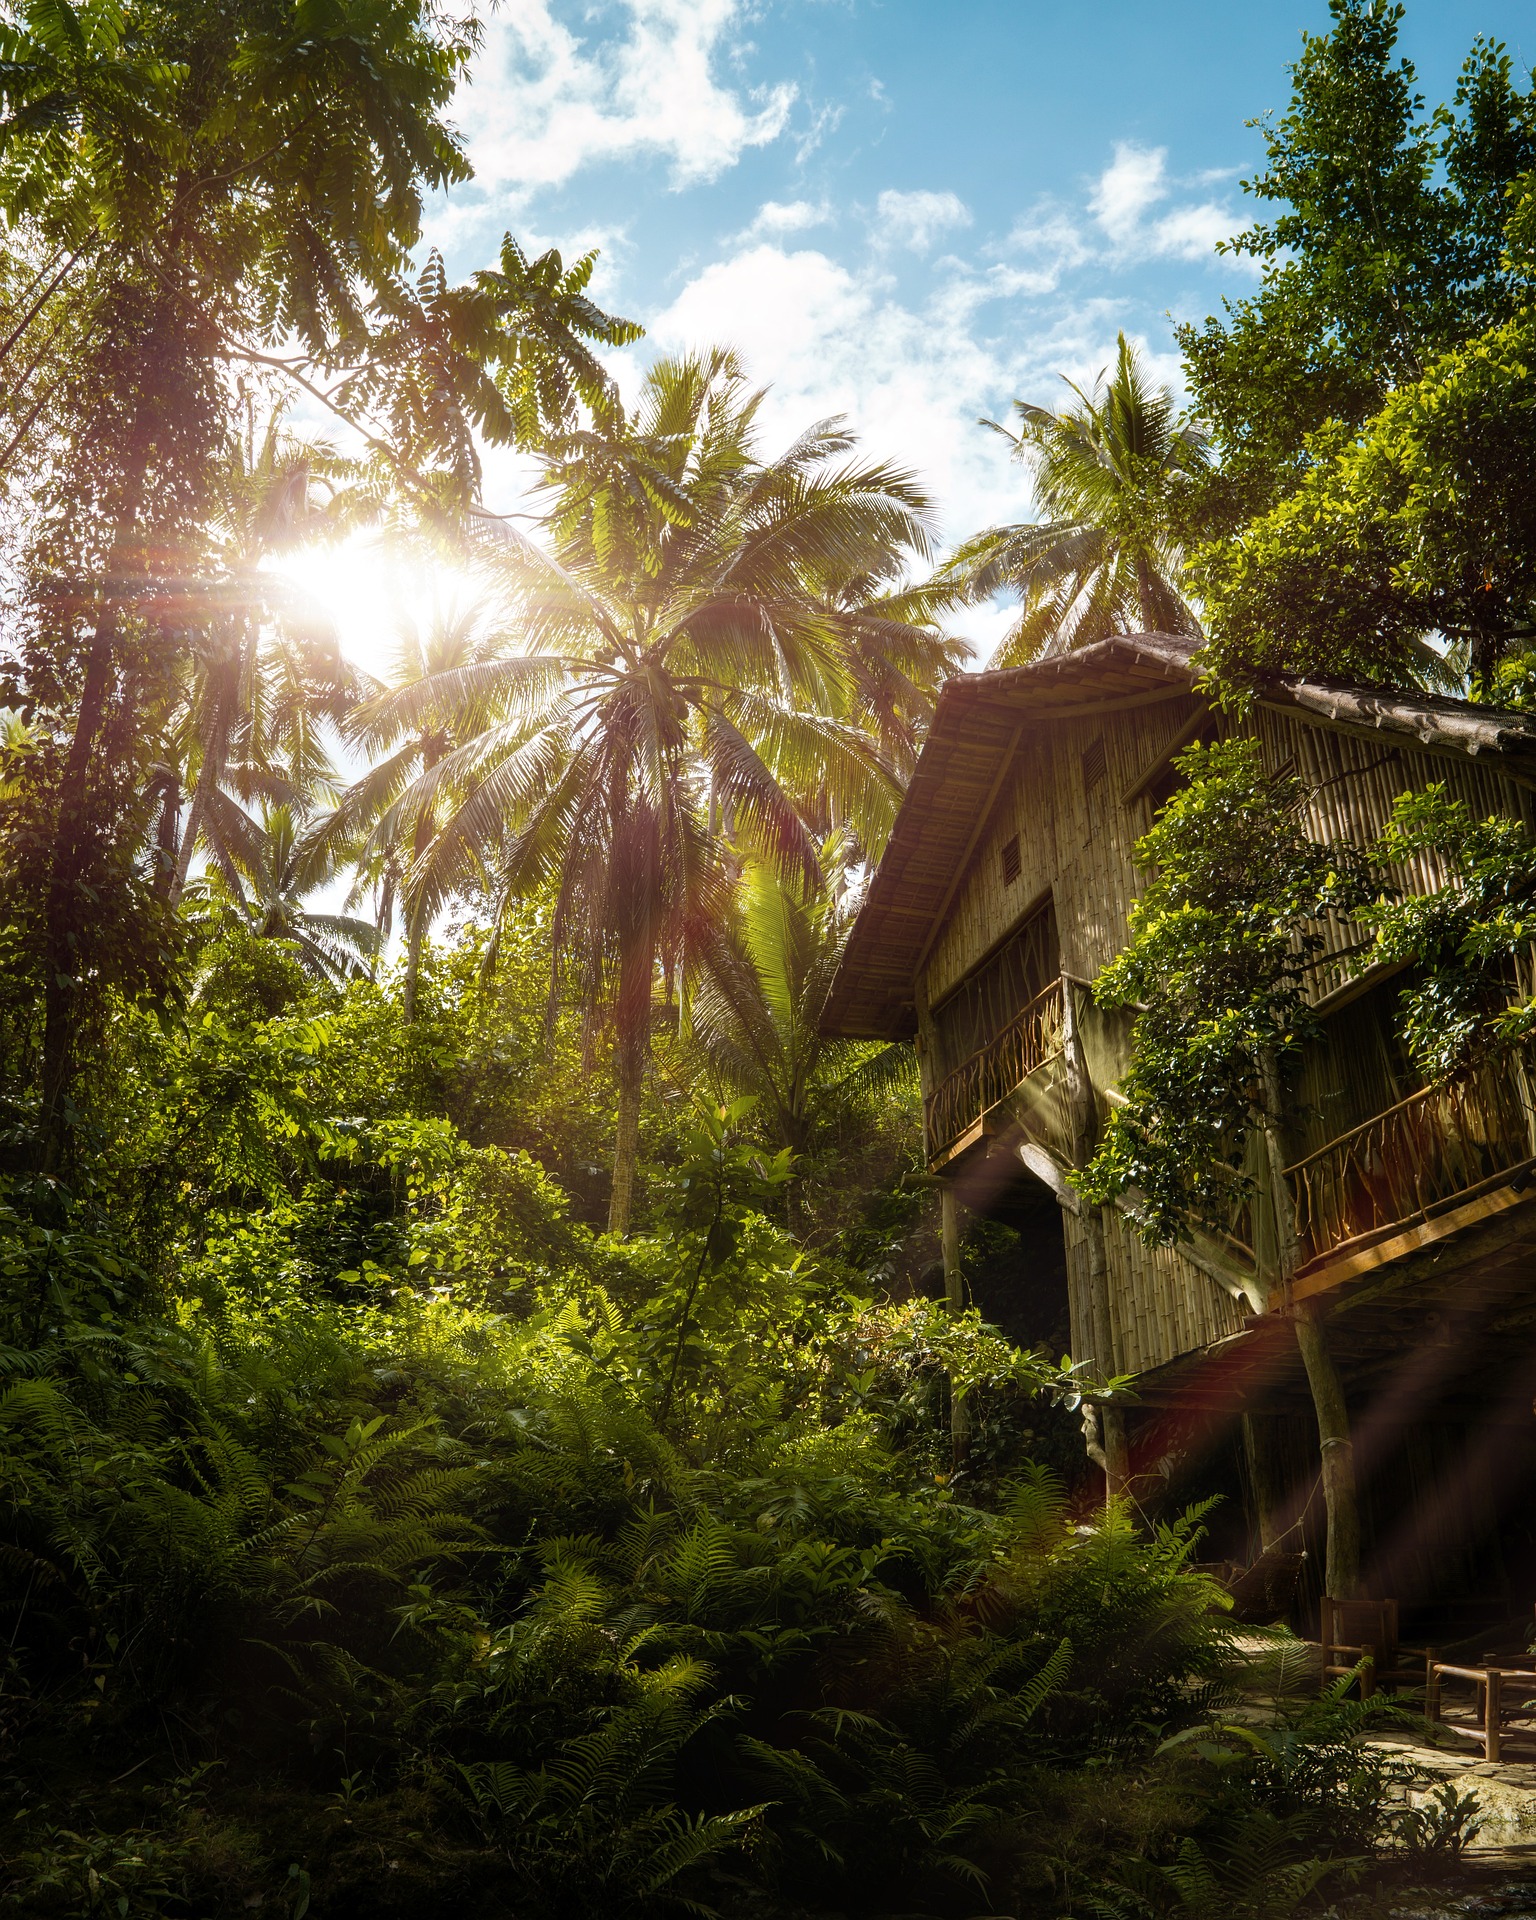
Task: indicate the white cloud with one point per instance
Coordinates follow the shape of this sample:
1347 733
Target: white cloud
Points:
787 216
1191 233
912 379
1052 240
917 219
545 103
1135 182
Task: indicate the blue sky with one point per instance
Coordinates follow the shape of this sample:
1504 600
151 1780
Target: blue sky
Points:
905 212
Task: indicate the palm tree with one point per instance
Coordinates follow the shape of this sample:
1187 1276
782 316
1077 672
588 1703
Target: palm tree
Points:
274 865
681 681
757 1013
266 675
1113 480
425 708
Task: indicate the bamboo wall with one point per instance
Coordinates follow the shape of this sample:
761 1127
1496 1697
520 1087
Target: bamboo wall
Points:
1075 838
1072 842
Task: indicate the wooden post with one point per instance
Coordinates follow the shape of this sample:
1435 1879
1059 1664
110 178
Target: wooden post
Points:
1493 1707
1117 1457
1265 1479
1342 1577
1109 1449
954 1298
1432 1683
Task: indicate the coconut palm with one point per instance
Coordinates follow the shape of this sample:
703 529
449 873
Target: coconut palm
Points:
756 1016
425 707
681 682
274 865
1112 477
266 675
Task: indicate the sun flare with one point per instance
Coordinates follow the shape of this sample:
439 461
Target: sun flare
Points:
372 592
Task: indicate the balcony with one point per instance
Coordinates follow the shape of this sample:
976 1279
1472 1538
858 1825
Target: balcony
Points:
960 1103
1417 1169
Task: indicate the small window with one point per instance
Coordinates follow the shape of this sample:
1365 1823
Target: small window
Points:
1094 766
1012 865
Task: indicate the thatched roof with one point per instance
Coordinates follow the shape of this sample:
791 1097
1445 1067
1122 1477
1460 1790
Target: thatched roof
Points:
983 718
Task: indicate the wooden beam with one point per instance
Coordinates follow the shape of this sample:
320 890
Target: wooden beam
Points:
962 865
1484 1207
1042 710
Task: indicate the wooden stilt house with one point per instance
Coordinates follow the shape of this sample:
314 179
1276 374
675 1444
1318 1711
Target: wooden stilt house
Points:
1380 1294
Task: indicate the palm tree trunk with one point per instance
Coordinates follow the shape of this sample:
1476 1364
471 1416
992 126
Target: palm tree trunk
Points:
626 1146
194 826
416 932
413 947
1144 594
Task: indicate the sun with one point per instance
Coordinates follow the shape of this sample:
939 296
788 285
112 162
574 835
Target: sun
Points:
370 590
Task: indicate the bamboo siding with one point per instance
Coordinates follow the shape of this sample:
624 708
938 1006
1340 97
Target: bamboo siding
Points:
1353 783
1064 814
1074 845
1160 1306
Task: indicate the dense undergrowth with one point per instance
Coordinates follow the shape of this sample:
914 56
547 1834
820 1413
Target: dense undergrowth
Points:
379 1539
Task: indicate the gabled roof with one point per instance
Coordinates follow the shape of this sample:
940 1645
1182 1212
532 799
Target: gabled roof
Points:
982 717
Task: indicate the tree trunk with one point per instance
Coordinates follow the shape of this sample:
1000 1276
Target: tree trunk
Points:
1144 594
62 962
167 836
1339 1496
1104 1435
954 1299
412 968
1342 1576
416 931
626 1146
194 826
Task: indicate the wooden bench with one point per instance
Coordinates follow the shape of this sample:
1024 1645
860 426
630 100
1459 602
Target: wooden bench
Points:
1489 1682
1368 1630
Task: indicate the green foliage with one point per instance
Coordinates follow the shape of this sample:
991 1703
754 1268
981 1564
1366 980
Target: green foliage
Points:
456 1548
754 1028
1215 969
1384 252
1467 943
1117 476
1422 524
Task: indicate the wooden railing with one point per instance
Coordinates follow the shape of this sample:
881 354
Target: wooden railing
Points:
1412 1161
992 1072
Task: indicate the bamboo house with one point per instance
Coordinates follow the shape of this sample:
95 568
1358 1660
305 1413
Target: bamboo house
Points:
1361 1337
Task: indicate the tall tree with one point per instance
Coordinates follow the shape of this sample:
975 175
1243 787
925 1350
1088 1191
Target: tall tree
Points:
432 700
682 679
266 673
1114 477
1409 555
1381 246
216 179
274 866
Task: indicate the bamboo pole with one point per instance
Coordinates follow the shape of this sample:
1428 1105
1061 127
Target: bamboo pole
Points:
954 1298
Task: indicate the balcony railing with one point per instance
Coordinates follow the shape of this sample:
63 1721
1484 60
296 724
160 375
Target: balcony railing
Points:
1413 1161
994 1071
